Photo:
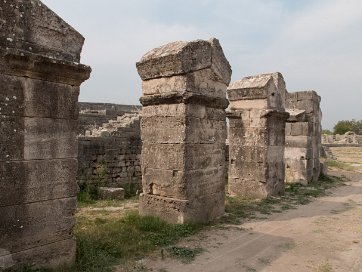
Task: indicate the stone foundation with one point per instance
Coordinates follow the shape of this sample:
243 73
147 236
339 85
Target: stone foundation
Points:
183 131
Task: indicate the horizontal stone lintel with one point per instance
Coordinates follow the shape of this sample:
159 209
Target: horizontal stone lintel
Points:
186 98
247 94
263 114
22 63
183 57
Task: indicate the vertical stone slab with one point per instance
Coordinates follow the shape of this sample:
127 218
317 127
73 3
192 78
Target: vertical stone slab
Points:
40 77
303 137
183 131
256 136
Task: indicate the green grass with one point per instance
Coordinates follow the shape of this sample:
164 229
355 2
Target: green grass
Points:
102 243
186 254
326 267
340 165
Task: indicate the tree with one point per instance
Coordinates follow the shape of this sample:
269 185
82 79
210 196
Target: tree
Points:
348 125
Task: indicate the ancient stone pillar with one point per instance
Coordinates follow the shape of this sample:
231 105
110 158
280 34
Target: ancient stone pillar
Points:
40 76
256 136
303 137
183 130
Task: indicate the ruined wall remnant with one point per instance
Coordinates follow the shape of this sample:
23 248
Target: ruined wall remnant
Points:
348 139
40 76
93 115
110 156
183 130
256 136
303 137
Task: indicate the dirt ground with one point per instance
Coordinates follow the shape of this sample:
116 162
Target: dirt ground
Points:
324 235
350 155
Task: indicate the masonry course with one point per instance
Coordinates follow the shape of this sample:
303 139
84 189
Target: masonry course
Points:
183 130
40 77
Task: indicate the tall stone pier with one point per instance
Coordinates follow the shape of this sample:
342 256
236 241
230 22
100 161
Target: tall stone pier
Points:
256 136
40 76
183 131
303 137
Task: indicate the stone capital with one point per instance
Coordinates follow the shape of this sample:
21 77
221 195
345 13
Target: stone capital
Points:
178 58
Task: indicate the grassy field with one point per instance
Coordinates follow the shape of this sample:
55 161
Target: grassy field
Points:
347 157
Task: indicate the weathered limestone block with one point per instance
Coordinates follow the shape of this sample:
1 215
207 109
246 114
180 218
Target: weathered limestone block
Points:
257 136
266 91
111 193
183 130
40 77
303 137
31 180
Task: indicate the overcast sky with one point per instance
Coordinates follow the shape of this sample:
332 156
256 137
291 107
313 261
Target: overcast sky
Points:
315 44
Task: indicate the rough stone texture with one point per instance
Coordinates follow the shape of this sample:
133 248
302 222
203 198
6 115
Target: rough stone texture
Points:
256 136
303 137
40 77
110 156
111 193
94 115
183 130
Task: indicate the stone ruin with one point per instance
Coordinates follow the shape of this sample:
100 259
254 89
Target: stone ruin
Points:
94 115
110 154
183 130
256 136
303 137
348 139
40 77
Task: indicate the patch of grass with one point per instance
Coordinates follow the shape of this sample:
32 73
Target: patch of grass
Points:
238 209
264 261
326 267
249 269
340 165
186 254
103 242
84 198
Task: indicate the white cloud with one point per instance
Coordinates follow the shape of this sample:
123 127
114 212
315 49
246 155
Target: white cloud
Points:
319 49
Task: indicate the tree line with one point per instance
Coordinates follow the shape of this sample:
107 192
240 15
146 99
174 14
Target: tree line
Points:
344 126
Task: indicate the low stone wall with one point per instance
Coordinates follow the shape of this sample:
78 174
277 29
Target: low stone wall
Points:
111 157
348 138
